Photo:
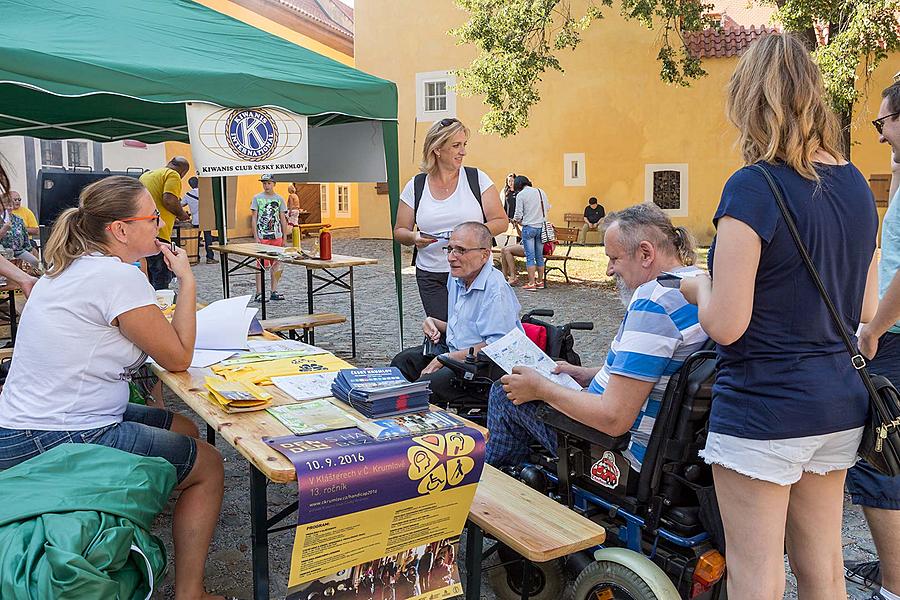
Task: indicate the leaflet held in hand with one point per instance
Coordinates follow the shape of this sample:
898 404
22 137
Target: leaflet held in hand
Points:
515 349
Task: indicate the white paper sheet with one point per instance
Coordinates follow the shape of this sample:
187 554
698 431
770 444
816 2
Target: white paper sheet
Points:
223 325
205 358
260 346
306 387
515 350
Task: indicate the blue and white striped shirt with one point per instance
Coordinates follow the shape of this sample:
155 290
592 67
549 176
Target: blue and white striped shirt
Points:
659 331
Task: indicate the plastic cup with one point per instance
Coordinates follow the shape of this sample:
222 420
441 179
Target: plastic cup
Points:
165 298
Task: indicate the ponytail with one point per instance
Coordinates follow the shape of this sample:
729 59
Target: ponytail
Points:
685 245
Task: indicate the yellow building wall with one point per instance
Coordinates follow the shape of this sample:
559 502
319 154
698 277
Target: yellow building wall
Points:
248 185
609 104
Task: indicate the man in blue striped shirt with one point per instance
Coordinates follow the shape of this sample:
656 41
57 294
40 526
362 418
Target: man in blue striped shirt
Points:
659 331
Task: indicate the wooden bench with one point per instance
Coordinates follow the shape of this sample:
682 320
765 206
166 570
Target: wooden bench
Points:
565 236
576 221
287 327
533 525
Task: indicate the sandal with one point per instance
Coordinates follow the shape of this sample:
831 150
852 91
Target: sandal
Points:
529 287
512 281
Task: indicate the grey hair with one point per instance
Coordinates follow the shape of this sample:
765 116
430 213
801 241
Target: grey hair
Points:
479 230
892 93
647 222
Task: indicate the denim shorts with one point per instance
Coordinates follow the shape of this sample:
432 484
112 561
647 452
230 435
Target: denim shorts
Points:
143 431
783 461
867 486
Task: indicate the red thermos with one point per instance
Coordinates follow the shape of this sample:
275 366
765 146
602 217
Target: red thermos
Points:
325 244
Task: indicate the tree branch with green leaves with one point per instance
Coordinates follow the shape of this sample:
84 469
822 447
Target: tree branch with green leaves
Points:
520 40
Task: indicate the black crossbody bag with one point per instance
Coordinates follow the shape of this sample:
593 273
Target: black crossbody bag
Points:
880 445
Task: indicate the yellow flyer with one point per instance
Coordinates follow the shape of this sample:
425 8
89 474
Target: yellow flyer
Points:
381 518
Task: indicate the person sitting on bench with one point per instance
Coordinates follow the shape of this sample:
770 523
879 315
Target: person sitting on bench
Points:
659 331
482 308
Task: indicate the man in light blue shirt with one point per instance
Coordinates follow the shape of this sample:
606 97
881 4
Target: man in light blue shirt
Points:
482 308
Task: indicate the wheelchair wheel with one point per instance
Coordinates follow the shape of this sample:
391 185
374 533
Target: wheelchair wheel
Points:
546 582
621 574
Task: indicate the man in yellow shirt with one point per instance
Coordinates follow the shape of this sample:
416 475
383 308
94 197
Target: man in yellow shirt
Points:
164 185
31 224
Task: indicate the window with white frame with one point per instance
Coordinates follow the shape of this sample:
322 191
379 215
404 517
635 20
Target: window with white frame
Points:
52 153
666 185
66 154
343 201
574 170
435 97
323 200
78 154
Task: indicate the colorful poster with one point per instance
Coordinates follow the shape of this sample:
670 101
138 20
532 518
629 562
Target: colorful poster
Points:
381 518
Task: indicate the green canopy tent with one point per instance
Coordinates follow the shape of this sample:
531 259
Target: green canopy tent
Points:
111 70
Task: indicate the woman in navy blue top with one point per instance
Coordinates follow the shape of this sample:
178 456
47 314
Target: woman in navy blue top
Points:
788 407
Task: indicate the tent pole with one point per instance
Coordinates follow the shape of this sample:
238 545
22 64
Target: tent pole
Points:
392 163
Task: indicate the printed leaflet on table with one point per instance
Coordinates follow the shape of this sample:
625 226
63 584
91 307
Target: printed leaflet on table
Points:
306 387
381 517
409 424
311 417
261 373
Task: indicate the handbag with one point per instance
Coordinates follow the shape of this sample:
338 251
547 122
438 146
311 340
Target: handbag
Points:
548 232
880 445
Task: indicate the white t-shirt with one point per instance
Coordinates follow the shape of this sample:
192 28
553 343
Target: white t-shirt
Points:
71 366
192 200
440 216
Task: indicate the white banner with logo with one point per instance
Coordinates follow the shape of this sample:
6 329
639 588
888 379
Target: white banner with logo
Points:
247 141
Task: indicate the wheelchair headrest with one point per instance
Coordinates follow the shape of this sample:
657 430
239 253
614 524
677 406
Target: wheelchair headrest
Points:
537 334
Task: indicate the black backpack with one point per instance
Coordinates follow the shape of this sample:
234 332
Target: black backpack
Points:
419 189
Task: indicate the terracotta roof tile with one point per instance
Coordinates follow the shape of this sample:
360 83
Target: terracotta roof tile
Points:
731 40
312 10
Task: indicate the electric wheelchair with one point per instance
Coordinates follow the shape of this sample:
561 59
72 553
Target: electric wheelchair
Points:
477 373
664 534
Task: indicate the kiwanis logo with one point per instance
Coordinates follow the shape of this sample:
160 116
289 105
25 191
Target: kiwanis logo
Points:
252 134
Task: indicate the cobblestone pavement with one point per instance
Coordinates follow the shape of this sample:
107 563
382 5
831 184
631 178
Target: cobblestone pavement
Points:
228 567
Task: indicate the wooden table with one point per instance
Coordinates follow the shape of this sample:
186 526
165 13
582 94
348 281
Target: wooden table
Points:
532 524
321 275
244 431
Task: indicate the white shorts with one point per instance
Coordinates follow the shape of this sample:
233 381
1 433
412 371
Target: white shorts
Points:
783 461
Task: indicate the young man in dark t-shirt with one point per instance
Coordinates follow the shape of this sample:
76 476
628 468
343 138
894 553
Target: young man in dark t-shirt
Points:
593 214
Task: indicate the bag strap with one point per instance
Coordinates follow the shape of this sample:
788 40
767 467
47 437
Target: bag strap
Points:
475 186
856 358
541 199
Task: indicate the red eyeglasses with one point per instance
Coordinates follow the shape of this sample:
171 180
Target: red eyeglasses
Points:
155 215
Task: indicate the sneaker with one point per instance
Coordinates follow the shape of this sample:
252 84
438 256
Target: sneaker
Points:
276 296
864 573
211 261
529 287
257 298
876 596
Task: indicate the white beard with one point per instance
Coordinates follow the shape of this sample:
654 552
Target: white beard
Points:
625 292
